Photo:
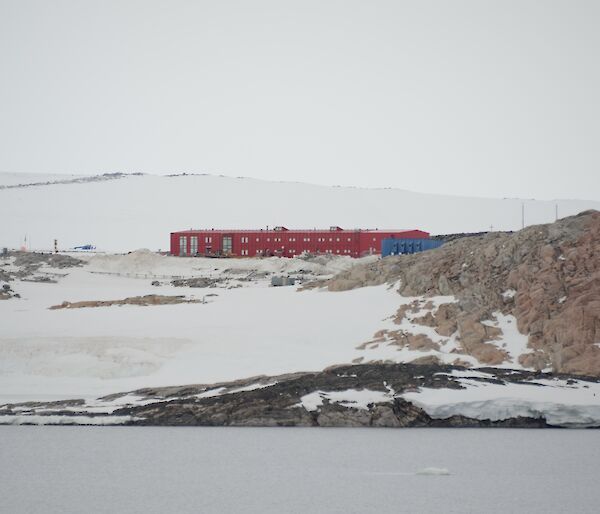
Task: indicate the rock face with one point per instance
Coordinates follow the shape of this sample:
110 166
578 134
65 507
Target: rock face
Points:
547 276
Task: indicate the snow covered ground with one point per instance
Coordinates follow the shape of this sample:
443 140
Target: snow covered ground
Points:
140 211
241 327
238 331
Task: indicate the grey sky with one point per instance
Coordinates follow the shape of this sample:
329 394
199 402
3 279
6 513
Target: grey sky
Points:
462 97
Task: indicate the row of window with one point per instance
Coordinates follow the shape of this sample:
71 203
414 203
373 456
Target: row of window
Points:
244 251
208 239
291 250
194 247
246 239
293 239
323 239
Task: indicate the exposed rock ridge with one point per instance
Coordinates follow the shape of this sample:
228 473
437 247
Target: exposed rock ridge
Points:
547 276
76 180
142 301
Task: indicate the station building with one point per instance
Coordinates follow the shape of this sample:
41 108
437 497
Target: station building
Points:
282 242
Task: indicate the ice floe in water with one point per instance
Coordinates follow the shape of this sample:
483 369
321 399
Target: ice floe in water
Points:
433 471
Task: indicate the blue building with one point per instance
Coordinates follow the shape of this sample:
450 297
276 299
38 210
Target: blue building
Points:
396 246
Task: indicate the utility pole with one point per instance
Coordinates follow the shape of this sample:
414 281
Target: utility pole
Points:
556 212
523 215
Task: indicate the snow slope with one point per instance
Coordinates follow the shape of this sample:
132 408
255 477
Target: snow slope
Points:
239 331
140 211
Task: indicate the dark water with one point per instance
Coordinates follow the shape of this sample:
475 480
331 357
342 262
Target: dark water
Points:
246 470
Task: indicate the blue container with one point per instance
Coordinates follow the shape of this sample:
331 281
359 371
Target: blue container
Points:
397 246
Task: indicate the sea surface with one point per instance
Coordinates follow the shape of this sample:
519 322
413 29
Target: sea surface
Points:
305 470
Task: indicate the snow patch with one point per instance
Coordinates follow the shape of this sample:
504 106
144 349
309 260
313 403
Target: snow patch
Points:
355 398
509 294
220 391
511 340
388 350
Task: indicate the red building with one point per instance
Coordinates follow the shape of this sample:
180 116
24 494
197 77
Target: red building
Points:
283 242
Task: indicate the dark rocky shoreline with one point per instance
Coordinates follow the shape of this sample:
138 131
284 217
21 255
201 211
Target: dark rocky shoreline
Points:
277 401
278 404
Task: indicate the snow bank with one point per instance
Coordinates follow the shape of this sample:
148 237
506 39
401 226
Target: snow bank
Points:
355 398
146 264
563 404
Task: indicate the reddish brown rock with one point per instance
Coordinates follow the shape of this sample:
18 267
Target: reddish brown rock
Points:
553 269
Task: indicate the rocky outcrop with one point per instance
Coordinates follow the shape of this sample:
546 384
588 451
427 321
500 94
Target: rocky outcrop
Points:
6 292
547 276
149 299
196 282
33 260
25 265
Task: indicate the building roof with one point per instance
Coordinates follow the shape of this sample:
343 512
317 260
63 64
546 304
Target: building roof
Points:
284 229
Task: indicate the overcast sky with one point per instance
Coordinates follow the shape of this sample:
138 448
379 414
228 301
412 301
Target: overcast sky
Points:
463 97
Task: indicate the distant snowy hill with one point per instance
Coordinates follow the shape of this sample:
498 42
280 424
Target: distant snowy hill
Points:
139 211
